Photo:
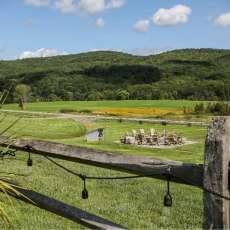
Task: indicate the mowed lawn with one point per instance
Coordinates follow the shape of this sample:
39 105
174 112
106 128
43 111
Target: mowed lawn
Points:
134 203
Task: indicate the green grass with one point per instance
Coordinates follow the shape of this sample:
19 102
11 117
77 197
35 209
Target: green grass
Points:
133 203
92 105
114 130
43 128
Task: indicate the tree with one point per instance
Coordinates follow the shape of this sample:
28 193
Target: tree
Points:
122 94
95 96
199 108
22 91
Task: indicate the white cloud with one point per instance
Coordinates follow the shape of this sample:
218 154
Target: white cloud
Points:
100 22
105 49
37 2
66 6
149 51
40 53
116 3
178 14
92 6
223 20
87 6
142 25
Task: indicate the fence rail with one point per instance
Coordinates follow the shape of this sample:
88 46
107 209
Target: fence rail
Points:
67 211
184 173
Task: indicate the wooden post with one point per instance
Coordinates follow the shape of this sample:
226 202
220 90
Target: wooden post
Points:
216 175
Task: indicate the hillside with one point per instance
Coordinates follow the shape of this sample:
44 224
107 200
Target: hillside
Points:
201 74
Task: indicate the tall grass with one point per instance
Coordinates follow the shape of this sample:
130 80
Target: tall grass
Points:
6 189
3 215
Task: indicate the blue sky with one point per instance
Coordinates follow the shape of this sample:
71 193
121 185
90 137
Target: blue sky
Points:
136 26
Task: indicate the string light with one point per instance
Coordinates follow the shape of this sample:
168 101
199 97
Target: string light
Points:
85 193
168 197
29 160
168 173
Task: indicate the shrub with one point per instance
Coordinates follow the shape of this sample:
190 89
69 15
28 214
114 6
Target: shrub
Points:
217 108
85 111
68 111
199 108
189 124
170 114
164 123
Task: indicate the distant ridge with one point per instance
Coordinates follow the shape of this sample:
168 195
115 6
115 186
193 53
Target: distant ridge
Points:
178 74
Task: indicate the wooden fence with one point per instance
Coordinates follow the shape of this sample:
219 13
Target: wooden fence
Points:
213 177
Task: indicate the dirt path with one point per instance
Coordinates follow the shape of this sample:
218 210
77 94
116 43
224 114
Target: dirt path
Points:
99 117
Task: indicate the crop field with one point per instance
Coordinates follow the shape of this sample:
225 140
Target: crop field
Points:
134 203
136 108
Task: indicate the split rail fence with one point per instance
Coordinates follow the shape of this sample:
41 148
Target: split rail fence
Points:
213 177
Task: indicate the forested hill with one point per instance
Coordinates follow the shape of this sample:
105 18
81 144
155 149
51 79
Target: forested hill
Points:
181 74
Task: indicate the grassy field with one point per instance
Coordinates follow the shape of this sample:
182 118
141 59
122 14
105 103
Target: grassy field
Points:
133 203
140 108
43 128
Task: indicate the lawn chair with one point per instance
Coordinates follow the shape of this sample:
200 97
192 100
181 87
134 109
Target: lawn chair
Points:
152 132
134 133
155 139
141 137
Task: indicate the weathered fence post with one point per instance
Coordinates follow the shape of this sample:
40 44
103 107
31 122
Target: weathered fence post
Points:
216 175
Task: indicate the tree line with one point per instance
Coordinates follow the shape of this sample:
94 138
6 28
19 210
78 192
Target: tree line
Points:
182 74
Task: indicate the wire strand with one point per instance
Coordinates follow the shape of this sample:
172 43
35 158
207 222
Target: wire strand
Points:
96 178
167 173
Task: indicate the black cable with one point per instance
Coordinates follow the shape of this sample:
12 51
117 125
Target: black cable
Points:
203 188
168 174
168 185
216 194
11 153
67 170
95 178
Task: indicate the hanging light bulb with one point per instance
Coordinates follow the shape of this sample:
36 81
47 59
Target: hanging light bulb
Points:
29 161
168 200
85 193
168 197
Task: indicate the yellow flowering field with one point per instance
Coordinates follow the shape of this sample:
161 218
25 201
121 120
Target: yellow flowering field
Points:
138 111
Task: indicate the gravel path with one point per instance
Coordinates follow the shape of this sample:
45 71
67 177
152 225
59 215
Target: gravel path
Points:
99 117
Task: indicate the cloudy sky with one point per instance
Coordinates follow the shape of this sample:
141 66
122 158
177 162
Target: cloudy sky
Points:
39 28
